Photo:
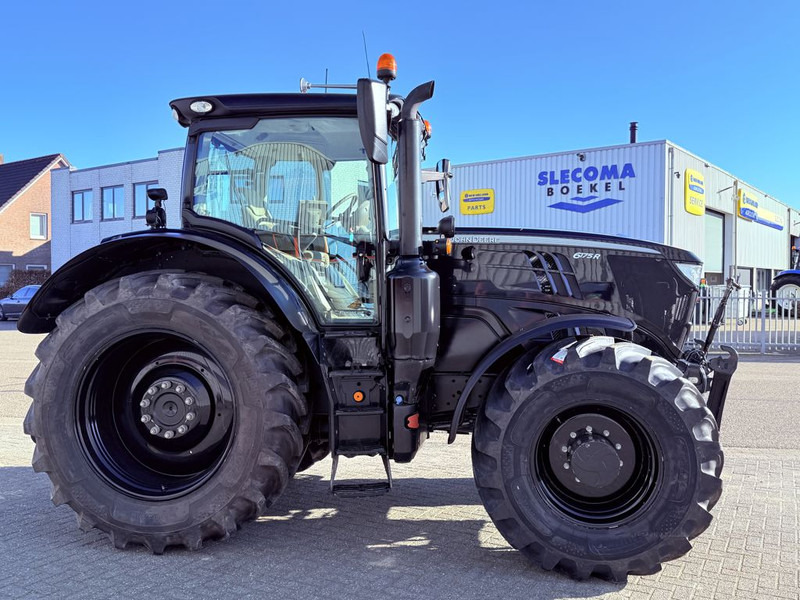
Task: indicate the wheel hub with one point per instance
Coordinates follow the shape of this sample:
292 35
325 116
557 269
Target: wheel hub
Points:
168 408
592 455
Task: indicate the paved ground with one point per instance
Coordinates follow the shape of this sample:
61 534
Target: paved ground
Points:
429 538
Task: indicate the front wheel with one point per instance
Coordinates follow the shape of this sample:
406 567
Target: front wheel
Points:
597 458
785 292
166 409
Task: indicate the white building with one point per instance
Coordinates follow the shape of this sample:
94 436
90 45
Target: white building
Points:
91 204
655 191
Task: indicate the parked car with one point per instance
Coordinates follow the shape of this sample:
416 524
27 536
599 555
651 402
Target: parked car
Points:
16 302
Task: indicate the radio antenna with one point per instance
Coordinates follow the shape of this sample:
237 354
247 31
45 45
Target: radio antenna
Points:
366 55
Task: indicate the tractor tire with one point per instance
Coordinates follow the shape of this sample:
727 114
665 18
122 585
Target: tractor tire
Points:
117 382
785 291
596 458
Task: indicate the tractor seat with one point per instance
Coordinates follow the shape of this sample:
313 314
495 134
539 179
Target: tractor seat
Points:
260 217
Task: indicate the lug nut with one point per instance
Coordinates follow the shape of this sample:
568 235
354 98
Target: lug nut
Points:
588 429
145 418
605 432
151 391
144 403
188 401
155 429
165 385
620 463
564 449
618 446
182 429
179 388
578 480
573 435
169 434
190 416
566 465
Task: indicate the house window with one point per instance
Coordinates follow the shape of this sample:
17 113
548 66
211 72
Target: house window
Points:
82 206
5 273
113 203
38 226
36 267
141 203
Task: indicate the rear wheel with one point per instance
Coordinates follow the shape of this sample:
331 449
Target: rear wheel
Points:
166 409
785 291
597 459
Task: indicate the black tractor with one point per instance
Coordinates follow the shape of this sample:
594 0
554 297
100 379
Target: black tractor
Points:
302 310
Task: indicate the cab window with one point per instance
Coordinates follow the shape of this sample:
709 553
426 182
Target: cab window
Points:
305 186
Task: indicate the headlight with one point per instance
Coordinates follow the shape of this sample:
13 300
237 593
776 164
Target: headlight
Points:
692 271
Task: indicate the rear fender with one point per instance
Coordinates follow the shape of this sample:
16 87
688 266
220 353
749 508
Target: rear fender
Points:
165 249
568 323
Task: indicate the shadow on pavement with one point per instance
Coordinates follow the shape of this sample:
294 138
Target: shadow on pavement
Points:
428 537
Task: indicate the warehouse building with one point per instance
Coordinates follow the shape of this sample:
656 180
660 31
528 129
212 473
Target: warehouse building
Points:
91 204
655 191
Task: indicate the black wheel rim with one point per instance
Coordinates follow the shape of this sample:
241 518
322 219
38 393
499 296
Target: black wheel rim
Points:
155 415
595 464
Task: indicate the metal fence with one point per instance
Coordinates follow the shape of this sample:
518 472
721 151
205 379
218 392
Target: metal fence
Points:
754 321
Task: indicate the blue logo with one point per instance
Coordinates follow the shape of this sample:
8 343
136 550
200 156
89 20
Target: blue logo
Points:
585 205
580 188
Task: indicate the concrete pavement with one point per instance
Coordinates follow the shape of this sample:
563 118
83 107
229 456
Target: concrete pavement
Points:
429 538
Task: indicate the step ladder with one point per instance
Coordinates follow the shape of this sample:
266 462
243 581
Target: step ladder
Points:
359 427
361 489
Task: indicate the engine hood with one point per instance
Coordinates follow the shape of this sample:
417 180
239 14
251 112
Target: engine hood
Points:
551 237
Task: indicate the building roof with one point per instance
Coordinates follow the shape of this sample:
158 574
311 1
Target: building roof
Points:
14 176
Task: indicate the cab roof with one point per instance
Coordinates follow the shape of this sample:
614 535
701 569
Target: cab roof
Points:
263 105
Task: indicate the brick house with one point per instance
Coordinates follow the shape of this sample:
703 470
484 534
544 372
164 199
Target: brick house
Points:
25 223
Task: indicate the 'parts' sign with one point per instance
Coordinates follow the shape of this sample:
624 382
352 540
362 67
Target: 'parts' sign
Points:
477 202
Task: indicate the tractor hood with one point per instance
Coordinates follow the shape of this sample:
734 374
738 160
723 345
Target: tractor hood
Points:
570 238
516 272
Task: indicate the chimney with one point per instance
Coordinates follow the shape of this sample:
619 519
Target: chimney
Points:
1 159
634 127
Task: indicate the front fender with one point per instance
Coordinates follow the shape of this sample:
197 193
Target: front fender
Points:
200 251
788 272
547 326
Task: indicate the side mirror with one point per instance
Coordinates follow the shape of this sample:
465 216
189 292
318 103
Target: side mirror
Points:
443 184
372 119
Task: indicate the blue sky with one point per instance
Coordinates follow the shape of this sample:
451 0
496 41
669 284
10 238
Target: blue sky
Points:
93 79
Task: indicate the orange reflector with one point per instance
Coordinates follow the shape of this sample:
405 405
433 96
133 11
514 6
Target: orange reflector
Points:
412 422
387 68
448 246
358 396
428 129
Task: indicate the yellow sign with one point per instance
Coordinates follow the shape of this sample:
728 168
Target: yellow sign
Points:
751 211
477 202
694 192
